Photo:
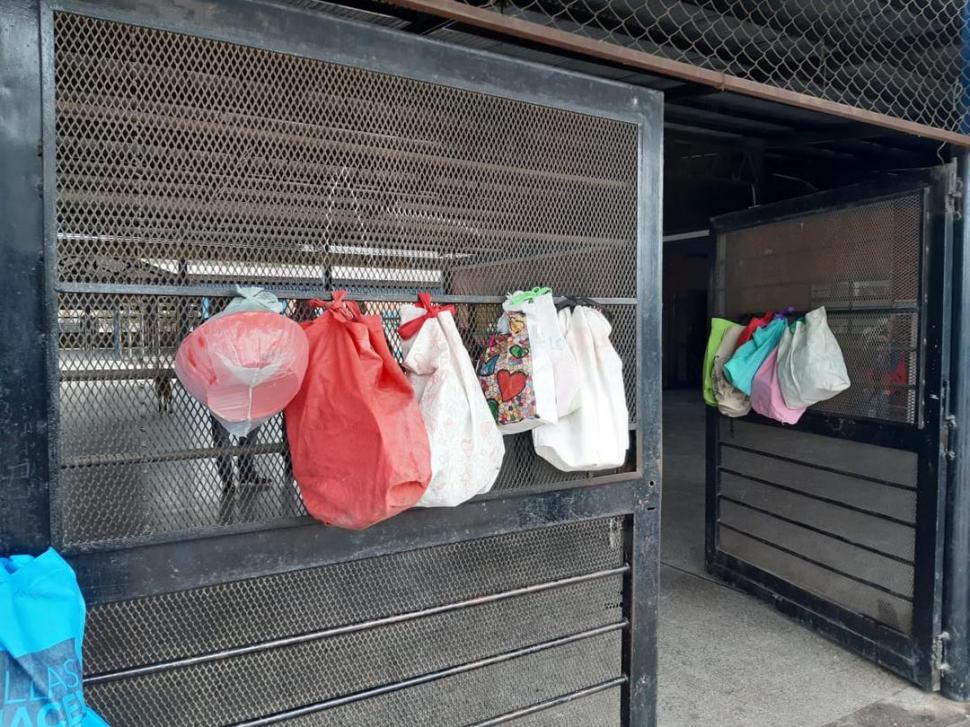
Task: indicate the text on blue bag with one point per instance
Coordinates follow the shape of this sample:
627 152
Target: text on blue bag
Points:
42 689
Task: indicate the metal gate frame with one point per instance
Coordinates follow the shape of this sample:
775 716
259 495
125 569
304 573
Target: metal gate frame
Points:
29 499
918 658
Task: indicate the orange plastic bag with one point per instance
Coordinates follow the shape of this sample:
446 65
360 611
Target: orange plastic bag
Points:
358 443
243 366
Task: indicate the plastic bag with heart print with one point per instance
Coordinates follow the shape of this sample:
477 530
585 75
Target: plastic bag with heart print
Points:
519 399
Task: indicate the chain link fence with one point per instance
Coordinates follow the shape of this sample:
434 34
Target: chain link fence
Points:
902 58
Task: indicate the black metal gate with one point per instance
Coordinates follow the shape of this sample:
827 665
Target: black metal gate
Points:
838 520
176 149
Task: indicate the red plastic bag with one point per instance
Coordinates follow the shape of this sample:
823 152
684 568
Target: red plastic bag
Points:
244 367
753 325
358 443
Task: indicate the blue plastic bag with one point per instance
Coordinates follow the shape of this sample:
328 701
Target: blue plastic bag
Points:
41 630
746 361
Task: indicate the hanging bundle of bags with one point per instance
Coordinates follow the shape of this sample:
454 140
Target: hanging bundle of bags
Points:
784 369
466 446
358 444
596 435
246 363
42 615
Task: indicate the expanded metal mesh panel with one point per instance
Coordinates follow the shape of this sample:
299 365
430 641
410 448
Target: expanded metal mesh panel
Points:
493 691
185 162
288 677
364 624
881 356
181 158
230 615
862 256
863 264
902 59
596 710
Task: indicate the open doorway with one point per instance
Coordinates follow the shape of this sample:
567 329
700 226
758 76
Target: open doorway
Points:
755 665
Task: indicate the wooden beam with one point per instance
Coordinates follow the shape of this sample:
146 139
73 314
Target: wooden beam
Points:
527 30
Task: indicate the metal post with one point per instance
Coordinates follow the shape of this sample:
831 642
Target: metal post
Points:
24 462
956 581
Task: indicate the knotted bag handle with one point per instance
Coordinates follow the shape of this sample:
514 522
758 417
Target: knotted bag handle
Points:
347 308
410 329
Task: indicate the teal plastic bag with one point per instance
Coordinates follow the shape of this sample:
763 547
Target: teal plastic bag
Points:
746 361
42 617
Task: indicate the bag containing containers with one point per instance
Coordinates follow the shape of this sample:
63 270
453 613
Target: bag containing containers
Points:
246 363
740 370
810 363
597 435
358 444
766 396
466 445
731 402
42 615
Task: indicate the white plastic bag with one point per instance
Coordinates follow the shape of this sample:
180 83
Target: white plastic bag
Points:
466 445
731 402
550 354
810 363
597 435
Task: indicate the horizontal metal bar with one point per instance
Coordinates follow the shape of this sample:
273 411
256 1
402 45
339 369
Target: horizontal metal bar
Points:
820 564
526 30
433 676
819 531
851 309
817 498
898 435
816 466
352 628
122 569
337 40
178 455
135 374
555 702
229 291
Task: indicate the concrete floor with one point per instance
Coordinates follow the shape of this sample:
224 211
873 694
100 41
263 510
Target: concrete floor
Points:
727 660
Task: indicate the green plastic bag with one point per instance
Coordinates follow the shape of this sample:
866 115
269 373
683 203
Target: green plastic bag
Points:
719 327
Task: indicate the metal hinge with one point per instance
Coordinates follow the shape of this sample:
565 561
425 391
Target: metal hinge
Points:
949 424
954 201
939 652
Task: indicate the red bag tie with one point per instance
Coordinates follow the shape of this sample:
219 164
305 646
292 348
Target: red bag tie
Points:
348 308
409 329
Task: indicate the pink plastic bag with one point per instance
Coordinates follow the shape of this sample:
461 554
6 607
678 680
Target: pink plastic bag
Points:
766 397
244 367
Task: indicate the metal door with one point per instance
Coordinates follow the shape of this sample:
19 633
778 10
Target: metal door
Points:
837 520
172 150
